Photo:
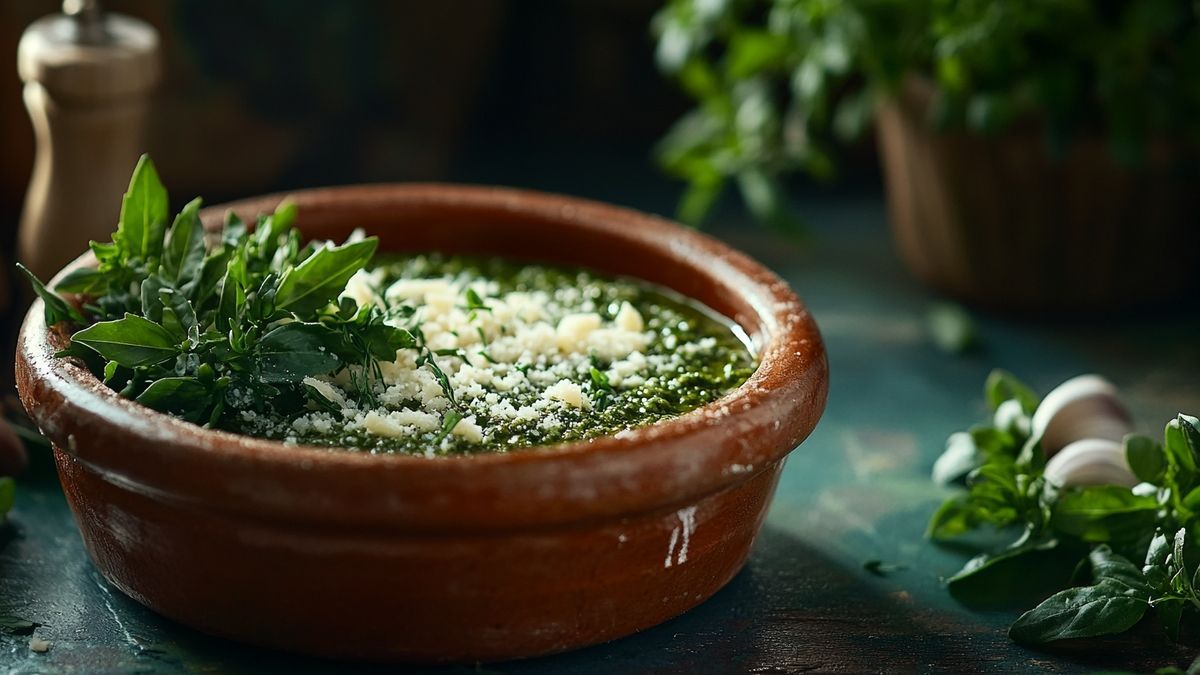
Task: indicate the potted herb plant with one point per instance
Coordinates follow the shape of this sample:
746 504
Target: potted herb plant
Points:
1038 154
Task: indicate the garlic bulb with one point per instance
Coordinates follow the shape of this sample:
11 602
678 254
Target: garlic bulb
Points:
1091 461
1086 406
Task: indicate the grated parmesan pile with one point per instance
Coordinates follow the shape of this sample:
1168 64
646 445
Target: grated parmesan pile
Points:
523 368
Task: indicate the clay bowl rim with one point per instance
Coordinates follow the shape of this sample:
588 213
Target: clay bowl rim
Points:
776 408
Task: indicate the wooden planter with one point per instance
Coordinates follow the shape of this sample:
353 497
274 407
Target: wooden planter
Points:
997 221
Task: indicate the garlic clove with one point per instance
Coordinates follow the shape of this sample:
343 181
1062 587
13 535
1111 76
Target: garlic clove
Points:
1091 461
1086 406
1010 417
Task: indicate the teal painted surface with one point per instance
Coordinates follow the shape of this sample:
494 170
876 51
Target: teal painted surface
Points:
857 490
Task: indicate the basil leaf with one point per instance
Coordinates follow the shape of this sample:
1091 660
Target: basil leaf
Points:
178 316
285 215
1181 581
56 309
151 302
184 251
1146 458
143 213
83 280
954 518
183 396
233 297
383 341
1030 568
105 253
1169 613
1158 553
178 303
1002 385
318 280
1103 609
295 351
132 341
1181 451
449 421
1104 513
1111 567
202 288
235 230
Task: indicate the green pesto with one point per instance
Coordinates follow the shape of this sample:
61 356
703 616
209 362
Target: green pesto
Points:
699 379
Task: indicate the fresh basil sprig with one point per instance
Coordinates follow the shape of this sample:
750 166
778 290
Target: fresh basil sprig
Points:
206 329
1057 535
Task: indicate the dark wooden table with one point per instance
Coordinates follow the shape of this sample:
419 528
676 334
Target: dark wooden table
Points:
857 490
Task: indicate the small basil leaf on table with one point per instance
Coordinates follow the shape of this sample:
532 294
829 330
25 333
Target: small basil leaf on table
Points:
1146 458
1087 611
1116 601
1029 569
132 341
951 328
294 351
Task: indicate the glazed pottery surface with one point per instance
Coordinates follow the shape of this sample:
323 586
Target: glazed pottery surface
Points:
459 559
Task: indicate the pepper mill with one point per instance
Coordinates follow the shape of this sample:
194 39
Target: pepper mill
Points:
88 76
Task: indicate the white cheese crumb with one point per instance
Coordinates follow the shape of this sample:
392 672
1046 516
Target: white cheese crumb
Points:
330 392
570 393
629 319
361 287
468 429
573 330
415 290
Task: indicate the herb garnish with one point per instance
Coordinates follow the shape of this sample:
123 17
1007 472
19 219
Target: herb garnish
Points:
204 329
1119 552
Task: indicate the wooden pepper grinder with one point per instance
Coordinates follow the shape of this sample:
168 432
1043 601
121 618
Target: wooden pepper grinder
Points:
88 77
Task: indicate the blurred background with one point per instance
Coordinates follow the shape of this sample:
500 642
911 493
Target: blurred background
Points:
950 186
269 95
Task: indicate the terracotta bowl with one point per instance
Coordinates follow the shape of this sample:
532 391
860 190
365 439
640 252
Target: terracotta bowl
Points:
476 558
